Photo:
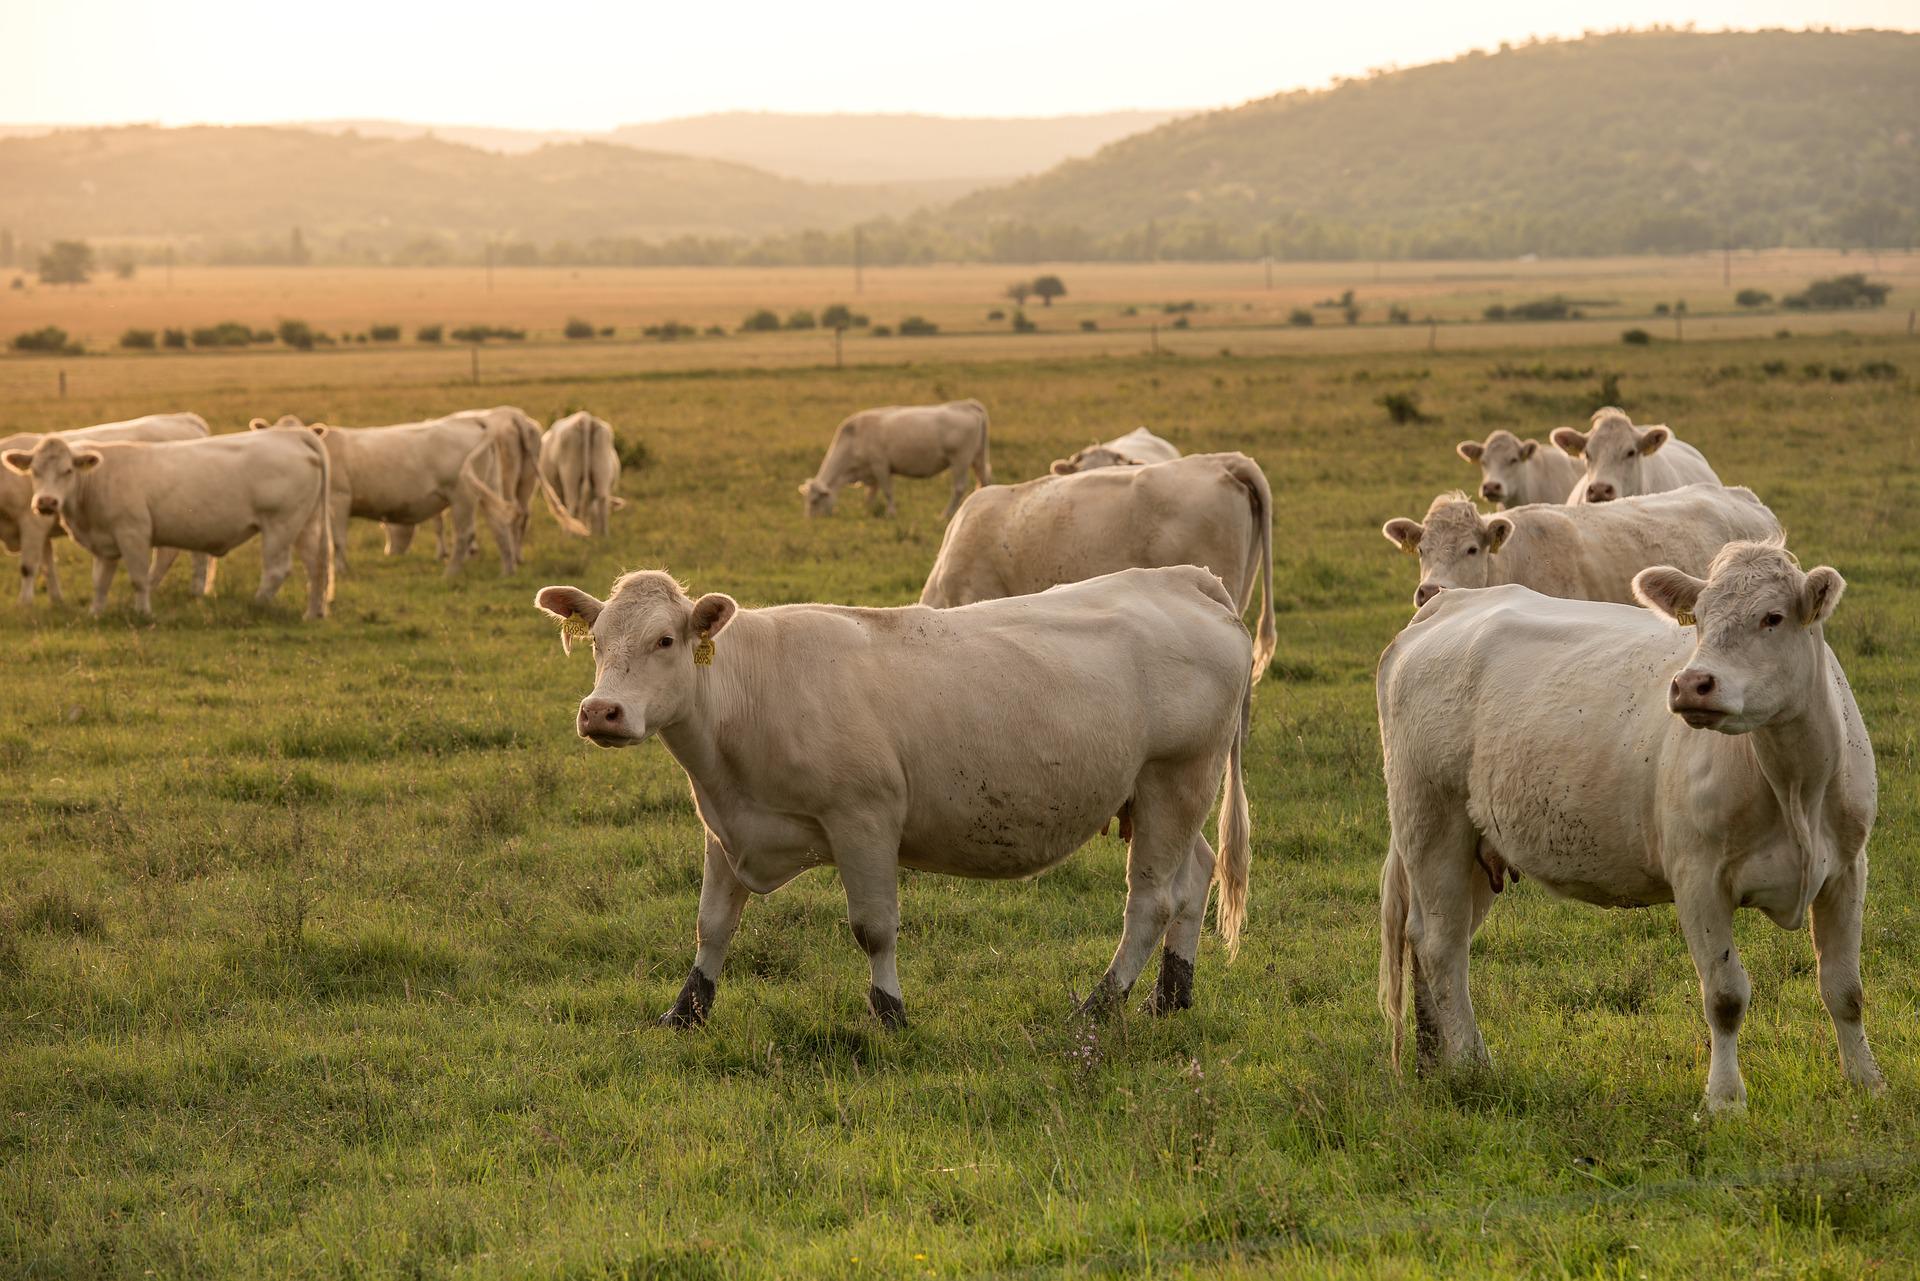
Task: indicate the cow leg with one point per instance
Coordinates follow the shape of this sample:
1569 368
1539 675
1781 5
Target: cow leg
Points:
440 547
137 552
1169 804
399 537
1706 919
458 545
959 474
883 494
339 506
1836 948
1174 991
163 558
276 562
722 898
36 556
205 569
311 543
104 568
1447 885
870 872
27 575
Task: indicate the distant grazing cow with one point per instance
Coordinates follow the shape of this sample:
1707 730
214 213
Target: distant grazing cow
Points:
990 741
1136 447
1623 760
1584 552
31 534
579 472
1213 510
120 501
1623 460
1516 472
409 473
874 446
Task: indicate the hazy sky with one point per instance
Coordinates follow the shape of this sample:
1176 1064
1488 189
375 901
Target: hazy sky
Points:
567 65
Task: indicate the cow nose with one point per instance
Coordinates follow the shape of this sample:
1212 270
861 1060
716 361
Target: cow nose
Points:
46 506
1491 492
600 716
1691 686
1424 593
1599 492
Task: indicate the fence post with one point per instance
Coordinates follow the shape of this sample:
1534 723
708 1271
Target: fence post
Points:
63 384
1153 331
1433 335
837 331
474 351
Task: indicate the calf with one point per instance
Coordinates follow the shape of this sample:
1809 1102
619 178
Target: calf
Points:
990 741
874 446
1622 460
1515 472
1137 447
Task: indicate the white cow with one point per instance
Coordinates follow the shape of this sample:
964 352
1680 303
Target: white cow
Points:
31 534
516 439
411 472
1213 510
1622 460
1583 552
990 741
1515 472
1133 449
579 472
875 445
1704 751
120 501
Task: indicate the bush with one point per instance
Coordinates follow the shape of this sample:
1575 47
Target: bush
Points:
1636 337
760 322
917 327
297 334
882 331
49 340
1753 298
802 319
1181 322
229 333
139 339
1839 293
1398 315
263 335
1048 288
1554 308
1299 318
1089 326
836 316
1661 309
1402 406
1175 308
578 328
385 333
606 331
716 331
669 331
1021 325
125 269
996 314
428 333
480 333
174 338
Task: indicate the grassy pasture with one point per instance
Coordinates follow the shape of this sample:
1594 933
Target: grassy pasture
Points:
328 950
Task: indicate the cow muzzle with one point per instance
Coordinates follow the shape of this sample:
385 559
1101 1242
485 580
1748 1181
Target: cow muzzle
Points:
46 505
1601 492
1425 592
1493 491
602 721
1695 697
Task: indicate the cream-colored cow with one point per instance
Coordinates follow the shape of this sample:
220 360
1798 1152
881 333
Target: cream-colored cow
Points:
1588 551
1705 751
874 446
121 500
1213 510
1622 460
1515 472
31 534
990 741
1137 447
579 472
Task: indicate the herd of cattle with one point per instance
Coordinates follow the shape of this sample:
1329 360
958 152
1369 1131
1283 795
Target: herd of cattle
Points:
1616 685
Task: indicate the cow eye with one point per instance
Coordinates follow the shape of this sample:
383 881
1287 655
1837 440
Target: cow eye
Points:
666 642
1774 619
1473 551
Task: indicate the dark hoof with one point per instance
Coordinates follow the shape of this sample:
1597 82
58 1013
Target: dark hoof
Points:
889 1009
1103 1000
691 1007
1174 991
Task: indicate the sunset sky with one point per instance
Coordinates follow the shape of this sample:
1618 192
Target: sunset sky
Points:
579 66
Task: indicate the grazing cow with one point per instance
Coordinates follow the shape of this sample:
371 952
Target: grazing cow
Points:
990 741
1213 510
120 501
412 472
1583 552
579 471
1705 751
31 534
1622 460
875 445
1133 449
1515 472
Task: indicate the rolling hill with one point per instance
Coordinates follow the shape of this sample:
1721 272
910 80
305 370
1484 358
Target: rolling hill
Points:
1643 141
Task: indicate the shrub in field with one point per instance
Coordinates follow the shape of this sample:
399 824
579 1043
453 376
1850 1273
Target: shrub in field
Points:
1089 326
716 331
139 339
229 333
1398 315
1838 293
578 328
917 327
1402 406
840 316
1773 368
802 319
1554 308
297 334
1175 308
1753 298
1636 337
1047 288
385 333
606 331
174 338
1019 291
1299 318
480 333
47 340
428 333
1181 322
68 262
760 322
883 331
996 314
263 335
1879 370
669 331
1021 325
1608 393
633 452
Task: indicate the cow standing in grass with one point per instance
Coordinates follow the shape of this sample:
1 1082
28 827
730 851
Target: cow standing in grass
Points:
1705 751
874 446
1515 472
579 472
990 741
1622 460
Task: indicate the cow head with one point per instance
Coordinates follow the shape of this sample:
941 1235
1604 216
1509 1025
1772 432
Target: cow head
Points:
1758 644
1454 544
817 497
55 467
1502 457
288 422
646 641
1092 458
1613 449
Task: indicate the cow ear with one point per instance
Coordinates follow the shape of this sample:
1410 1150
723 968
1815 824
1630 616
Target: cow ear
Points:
18 460
1652 438
575 609
83 458
1819 594
1668 591
318 429
1569 441
1499 530
711 613
1528 448
258 424
1470 450
1062 467
1403 533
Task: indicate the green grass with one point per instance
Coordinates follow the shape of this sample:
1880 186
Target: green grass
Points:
328 950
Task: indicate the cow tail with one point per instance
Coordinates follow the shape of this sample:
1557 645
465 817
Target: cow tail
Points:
497 505
983 465
324 514
1396 905
1235 853
1260 499
557 503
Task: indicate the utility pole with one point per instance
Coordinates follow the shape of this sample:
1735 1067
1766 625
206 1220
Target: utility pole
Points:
1266 256
169 268
1726 264
858 247
489 277
837 332
474 352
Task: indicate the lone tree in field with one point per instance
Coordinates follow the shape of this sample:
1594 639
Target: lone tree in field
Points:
1020 291
69 262
836 316
1048 288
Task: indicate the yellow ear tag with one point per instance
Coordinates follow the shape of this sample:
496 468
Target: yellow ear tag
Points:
703 651
1684 617
573 628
